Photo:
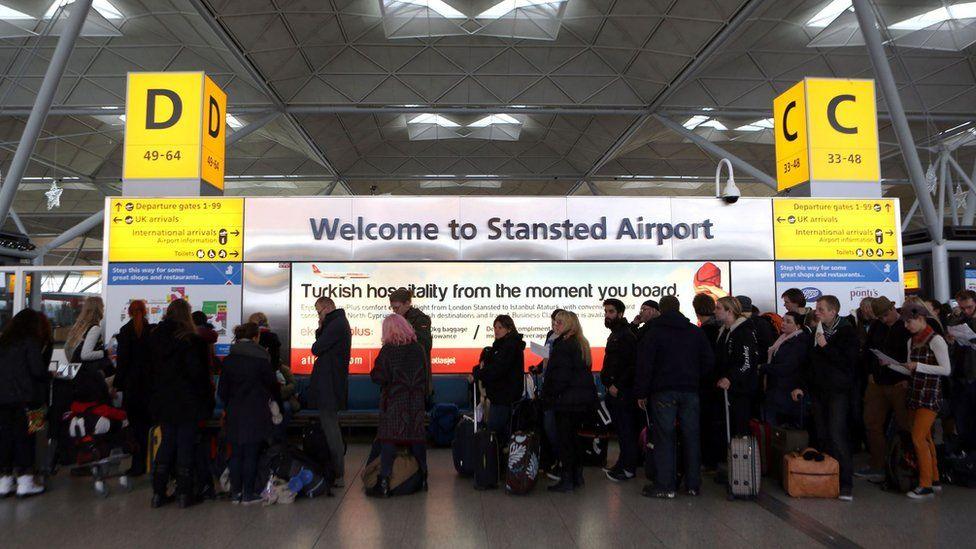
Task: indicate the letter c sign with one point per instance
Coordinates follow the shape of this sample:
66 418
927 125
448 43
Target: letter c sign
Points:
832 114
790 136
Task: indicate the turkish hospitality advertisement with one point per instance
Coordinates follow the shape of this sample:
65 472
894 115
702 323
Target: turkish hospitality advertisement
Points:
213 288
463 299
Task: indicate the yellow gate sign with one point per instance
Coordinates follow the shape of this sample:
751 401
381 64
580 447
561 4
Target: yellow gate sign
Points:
848 229
174 127
175 229
826 130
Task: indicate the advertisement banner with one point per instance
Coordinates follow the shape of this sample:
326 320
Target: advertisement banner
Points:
463 300
850 281
214 288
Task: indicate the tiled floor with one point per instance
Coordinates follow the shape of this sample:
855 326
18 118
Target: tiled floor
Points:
452 514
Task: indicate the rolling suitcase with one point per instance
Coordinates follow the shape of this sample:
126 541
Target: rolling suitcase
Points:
744 462
486 460
462 448
523 463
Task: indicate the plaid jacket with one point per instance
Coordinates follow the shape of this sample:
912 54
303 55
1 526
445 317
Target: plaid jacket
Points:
926 389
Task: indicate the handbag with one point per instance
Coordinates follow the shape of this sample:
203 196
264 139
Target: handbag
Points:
36 419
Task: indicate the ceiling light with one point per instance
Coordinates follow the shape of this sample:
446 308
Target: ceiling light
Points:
493 119
10 14
507 6
705 122
234 122
938 15
437 6
437 119
103 7
757 126
827 15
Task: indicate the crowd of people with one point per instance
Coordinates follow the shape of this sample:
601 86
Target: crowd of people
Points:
853 376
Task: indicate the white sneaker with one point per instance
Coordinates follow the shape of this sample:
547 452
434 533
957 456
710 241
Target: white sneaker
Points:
26 486
6 485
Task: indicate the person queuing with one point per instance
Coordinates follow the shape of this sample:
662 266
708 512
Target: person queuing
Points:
133 378
670 367
502 374
209 336
25 351
268 339
617 376
710 398
329 382
928 363
796 302
550 457
401 303
765 332
784 366
247 385
830 380
737 361
642 323
85 345
182 396
400 370
887 390
964 372
569 391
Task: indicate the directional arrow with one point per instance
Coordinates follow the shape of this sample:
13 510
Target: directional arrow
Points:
118 206
888 207
236 233
780 220
890 252
116 219
889 232
235 254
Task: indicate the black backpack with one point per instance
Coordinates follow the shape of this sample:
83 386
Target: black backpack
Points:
901 463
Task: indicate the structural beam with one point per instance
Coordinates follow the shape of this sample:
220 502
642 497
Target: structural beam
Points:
715 150
17 222
690 70
45 96
868 23
80 229
254 126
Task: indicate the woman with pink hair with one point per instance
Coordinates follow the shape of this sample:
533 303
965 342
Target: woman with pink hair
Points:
401 372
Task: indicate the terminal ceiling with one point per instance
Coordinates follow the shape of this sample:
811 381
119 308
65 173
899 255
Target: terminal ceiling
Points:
443 97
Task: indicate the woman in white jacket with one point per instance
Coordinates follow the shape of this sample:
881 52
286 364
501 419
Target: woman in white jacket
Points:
928 363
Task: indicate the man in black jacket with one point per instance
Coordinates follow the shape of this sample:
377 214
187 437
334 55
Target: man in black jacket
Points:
670 366
963 357
330 377
887 390
830 379
643 322
617 376
401 302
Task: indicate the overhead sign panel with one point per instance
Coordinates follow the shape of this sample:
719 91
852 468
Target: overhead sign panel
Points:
174 128
826 130
175 229
865 230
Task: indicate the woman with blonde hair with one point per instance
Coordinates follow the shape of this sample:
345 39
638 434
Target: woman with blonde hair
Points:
401 372
737 360
85 344
569 391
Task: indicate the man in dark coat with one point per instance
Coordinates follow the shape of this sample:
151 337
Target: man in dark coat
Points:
644 320
830 378
670 367
617 376
330 377
401 301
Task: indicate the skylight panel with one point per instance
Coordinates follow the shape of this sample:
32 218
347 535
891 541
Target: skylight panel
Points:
757 126
10 14
938 15
830 12
507 6
103 7
493 119
234 122
437 6
428 118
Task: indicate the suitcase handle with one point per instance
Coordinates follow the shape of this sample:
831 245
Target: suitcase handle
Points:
728 423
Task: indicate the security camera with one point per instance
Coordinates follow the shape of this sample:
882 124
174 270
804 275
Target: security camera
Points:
731 193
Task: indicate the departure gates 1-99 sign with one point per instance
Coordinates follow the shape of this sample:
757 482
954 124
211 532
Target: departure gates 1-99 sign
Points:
175 229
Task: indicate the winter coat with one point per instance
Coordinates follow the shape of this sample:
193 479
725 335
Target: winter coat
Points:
247 384
89 384
892 341
271 343
420 323
182 388
641 331
619 357
503 373
23 374
676 358
330 375
831 368
765 333
401 373
737 357
133 363
569 383
784 371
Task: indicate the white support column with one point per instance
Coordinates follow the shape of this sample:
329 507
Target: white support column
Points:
940 271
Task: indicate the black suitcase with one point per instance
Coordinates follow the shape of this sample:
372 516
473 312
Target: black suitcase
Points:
486 460
462 448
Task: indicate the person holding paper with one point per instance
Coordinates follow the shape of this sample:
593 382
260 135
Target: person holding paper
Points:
503 375
963 358
887 389
928 363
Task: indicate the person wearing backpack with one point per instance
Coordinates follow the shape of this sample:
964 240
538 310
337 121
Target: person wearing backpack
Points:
247 387
928 363
502 374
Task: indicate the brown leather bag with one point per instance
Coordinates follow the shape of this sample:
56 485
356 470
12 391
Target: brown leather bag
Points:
804 478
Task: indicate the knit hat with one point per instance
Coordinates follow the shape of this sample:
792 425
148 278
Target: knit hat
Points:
881 305
913 310
746 303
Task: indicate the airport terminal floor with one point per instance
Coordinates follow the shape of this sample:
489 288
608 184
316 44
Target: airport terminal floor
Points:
453 514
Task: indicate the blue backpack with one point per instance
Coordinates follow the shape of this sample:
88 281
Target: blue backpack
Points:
443 421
